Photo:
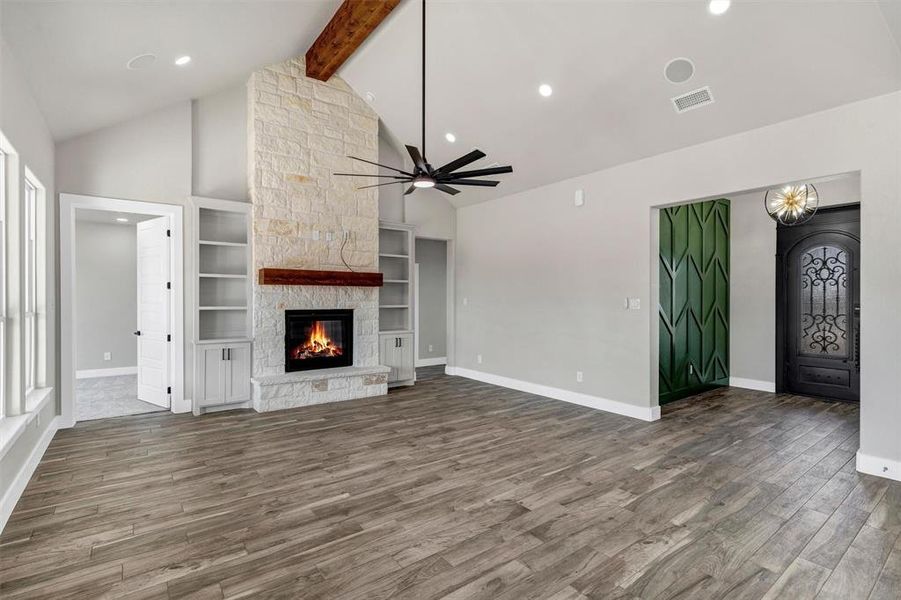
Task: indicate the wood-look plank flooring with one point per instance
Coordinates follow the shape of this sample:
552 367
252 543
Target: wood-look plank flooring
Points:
457 489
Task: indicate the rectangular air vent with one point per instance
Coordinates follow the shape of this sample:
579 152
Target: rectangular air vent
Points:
694 99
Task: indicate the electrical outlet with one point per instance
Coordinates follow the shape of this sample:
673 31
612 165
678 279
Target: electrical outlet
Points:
465 301
328 236
107 356
578 376
634 303
479 358
431 348
315 234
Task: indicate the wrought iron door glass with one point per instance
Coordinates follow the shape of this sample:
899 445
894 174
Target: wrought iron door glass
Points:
824 301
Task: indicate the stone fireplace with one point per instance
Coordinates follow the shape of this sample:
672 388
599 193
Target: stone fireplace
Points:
300 131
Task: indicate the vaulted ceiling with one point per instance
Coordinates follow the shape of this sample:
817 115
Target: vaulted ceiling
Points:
74 53
764 62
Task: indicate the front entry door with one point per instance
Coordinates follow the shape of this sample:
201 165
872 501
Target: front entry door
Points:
153 311
819 306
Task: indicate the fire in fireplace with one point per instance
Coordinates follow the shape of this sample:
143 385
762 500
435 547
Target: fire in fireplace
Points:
318 339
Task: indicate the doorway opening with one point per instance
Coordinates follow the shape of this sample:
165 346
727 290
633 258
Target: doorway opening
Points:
431 302
818 306
121 273
122 268
757 352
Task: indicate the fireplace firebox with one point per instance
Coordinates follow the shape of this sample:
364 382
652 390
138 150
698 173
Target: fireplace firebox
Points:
318 339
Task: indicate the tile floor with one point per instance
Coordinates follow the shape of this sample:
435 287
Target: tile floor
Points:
104 397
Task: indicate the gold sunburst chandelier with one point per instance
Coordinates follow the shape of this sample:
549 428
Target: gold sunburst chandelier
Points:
792 204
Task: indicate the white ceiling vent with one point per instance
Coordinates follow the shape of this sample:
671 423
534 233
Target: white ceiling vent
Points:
692 100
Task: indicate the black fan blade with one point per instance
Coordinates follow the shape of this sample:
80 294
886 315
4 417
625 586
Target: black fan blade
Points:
446 189
410 190
479 182
378 165
366 175
417 159
479 172
461 162
380 184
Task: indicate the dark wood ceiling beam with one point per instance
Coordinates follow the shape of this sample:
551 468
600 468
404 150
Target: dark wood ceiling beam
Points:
350 26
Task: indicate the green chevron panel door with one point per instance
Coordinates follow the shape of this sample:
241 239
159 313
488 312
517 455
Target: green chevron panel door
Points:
694 298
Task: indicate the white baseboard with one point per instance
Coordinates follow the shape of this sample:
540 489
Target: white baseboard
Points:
752 384
880 467
89 373
431 362
648 413
8 502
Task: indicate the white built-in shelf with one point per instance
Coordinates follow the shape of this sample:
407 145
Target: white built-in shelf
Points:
394 256
394 306
222 293
230 244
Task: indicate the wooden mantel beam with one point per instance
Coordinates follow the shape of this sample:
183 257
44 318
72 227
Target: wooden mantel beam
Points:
350 26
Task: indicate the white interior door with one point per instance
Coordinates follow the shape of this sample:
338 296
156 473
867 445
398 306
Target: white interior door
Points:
153 311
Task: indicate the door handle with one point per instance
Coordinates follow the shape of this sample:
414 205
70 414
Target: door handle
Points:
138 332
229 354
223 354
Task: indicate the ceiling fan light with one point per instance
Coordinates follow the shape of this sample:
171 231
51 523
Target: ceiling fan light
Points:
423 181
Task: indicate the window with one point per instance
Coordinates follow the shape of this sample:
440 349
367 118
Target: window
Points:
3 193
31 277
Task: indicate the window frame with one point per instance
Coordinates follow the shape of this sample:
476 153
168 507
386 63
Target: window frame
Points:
29 305
34 260
4 192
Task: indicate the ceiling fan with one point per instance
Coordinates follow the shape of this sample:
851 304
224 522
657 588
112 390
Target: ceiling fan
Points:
426 176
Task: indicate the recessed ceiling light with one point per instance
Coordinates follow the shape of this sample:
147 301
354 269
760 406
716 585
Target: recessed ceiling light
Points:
182 60
450 137
718 7
545 90
122 219
141 61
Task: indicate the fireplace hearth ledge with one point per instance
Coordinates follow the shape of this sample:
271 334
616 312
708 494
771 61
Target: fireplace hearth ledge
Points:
317 374
320 386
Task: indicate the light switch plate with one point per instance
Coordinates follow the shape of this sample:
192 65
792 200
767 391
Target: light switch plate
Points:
107 356
580 197
634 303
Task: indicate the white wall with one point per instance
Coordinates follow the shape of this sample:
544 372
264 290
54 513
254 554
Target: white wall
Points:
431 256
23 125
106 297
536 270
391 197
148 158
752 284
432 214
220 145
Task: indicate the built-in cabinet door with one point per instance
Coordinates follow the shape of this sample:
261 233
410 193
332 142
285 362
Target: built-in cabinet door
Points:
396 352
406 364
210 375
388 355
237 373
222 374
